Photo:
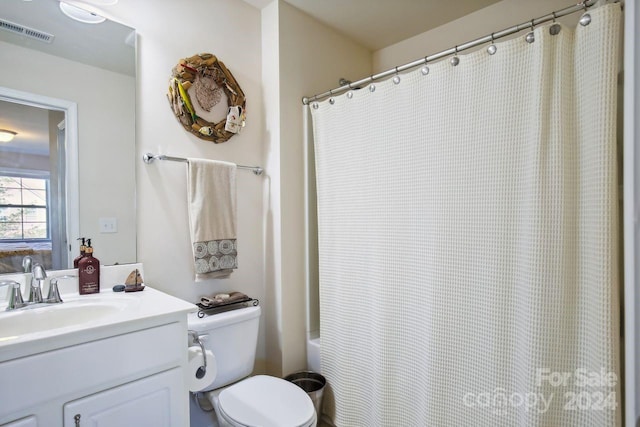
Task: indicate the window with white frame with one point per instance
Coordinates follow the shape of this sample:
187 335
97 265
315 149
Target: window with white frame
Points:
24 208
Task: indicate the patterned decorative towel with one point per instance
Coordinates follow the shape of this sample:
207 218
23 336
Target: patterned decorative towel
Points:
212 217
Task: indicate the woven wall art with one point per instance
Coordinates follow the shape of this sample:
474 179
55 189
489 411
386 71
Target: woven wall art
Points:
197 87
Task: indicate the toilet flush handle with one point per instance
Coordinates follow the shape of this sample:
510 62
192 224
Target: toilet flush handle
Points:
202 370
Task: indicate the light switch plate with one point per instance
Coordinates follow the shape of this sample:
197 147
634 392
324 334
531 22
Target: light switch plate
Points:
108 225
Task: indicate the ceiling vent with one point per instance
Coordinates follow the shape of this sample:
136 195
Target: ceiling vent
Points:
14 28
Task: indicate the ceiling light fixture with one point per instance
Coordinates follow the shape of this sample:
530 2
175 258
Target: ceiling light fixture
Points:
81 15
7 135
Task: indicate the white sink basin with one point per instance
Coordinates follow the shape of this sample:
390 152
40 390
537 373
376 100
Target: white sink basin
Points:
72 313
83 318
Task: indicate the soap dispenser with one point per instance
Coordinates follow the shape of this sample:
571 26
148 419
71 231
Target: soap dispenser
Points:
88 272
83 248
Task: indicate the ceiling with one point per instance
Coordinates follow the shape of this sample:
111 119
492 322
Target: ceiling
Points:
107 45
376 24
31 124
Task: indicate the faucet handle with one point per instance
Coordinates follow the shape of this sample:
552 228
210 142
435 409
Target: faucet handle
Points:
15 296
53 297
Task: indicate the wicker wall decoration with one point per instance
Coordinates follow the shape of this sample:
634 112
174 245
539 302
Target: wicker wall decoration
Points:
197 85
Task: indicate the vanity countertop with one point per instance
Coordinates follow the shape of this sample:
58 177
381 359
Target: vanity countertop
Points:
85 318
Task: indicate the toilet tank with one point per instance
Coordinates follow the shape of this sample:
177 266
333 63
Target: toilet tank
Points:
232 337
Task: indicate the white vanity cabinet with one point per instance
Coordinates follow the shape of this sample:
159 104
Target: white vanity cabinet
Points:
145 402
124 374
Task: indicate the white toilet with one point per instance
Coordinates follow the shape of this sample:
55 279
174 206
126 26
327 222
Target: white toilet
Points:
240 400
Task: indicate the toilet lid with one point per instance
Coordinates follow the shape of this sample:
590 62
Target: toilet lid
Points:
268 402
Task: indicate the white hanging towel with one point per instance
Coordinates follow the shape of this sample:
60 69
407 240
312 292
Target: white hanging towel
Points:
212 217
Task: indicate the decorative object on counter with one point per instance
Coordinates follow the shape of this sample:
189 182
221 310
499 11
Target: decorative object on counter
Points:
134 282
89 272
133 288
134 278
206 79
224 302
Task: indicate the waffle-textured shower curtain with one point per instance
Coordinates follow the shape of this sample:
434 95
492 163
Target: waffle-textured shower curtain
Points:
468 238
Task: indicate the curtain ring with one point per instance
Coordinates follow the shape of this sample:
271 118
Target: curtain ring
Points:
425 70
396 78
555 28
586 17
455 60
530 37
492 48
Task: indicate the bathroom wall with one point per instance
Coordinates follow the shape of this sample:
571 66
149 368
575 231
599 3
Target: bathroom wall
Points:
278 55
496 17
301 57
168 31
26 161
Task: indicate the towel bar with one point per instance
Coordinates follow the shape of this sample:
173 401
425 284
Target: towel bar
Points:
149 158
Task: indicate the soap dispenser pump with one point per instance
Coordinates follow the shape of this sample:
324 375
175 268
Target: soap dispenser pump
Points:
83 249
88 272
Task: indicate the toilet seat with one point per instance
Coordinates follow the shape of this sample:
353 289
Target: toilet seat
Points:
267 402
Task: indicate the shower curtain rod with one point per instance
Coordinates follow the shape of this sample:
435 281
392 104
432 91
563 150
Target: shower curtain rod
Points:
149 158
455 50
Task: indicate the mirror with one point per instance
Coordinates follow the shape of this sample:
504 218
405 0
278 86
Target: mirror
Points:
68 89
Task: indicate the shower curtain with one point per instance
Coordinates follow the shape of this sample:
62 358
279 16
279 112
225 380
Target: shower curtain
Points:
468 235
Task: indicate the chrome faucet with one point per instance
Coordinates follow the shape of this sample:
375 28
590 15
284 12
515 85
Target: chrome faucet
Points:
27 261
35 292
14 296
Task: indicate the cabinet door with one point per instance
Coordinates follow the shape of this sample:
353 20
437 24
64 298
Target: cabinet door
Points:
24 422
153 401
